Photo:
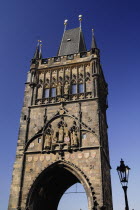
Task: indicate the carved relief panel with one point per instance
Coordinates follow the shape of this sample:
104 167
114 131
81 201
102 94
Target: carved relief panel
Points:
62 132
59 135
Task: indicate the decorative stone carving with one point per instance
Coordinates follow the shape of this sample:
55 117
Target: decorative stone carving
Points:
61 136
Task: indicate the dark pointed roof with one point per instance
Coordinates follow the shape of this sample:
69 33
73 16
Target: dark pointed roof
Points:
93 43
72 42
38 53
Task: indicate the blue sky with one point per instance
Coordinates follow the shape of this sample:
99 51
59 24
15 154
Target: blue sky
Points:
117 33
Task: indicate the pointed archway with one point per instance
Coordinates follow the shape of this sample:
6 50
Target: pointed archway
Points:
52 183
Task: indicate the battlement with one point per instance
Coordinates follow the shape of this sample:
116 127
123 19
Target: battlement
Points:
64 60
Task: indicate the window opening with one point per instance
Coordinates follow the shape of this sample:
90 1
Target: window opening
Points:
46 93
83 135
25 117
81 88
53 92
74 88
39 140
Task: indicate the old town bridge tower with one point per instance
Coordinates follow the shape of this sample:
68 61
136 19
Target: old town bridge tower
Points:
63 130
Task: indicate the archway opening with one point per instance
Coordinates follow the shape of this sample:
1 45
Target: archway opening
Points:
74 198
50 186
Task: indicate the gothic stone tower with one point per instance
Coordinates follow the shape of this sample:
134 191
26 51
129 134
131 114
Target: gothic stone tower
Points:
63 130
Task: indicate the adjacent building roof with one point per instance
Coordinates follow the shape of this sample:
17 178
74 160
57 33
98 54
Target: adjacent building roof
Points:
72 42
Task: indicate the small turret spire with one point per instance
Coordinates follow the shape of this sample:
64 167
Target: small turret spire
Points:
38 52
80 20
93 43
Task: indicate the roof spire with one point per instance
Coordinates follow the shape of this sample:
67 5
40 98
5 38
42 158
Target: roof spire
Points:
93 43
65 24
38 52
80 20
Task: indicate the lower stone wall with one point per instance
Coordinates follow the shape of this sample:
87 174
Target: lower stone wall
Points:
87 161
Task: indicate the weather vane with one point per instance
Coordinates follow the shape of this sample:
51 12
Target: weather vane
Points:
80 19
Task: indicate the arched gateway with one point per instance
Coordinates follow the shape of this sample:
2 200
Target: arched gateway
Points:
52 183
63 129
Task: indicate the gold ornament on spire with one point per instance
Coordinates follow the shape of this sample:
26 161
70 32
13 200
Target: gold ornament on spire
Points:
65 24
92 32
80 19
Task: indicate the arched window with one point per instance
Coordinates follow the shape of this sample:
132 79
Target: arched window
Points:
81 88
74 88
46 93
53 92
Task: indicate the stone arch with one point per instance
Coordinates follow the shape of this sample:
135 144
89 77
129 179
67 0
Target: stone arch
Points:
48 188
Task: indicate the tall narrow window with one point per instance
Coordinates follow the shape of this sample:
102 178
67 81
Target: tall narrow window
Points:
81 88
53 92
83 135
46 93
74 89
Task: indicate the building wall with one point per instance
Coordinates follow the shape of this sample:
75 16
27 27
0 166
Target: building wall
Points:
83 112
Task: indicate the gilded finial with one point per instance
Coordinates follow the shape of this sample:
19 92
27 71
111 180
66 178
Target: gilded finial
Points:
39 42
92 32
40 48
65 24
80 19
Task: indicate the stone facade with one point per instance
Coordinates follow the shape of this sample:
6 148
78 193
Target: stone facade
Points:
63 133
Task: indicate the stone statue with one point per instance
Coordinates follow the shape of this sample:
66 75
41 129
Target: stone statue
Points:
74 137
66 88
61 135
59 89
48 137
48 141
54 140
66 136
